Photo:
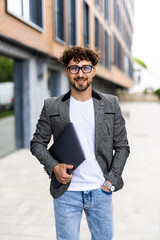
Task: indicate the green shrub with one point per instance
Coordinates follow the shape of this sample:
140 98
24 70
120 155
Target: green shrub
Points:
157 92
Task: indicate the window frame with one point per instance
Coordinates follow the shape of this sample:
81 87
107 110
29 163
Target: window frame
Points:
96 33
107 56
28 22
108 13
118 55
86 27
62 41
70 23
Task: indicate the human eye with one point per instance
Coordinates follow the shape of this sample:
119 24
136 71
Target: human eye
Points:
74 69
87 68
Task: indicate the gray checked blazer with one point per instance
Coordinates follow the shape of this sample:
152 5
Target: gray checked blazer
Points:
111 144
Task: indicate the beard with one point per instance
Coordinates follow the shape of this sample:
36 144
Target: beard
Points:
81 87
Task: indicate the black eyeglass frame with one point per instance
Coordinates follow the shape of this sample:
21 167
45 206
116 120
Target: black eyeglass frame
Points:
80 68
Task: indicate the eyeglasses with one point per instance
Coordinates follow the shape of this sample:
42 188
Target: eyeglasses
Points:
75 69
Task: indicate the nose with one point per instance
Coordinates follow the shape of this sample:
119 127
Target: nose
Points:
80 73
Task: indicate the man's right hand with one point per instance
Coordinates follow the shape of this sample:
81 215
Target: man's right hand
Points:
60 171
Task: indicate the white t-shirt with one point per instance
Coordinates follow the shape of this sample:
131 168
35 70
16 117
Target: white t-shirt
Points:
88 175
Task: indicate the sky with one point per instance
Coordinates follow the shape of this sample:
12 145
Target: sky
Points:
146 37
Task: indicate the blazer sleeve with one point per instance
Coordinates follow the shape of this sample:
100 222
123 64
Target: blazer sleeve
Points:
121 149
39 143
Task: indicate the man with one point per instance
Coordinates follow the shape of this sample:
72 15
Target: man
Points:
101 130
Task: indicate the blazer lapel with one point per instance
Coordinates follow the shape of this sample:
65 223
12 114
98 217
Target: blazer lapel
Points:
64 110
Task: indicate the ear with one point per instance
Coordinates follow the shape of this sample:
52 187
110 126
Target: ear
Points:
94 71
66 72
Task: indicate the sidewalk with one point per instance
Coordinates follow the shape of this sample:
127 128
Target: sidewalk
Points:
26 208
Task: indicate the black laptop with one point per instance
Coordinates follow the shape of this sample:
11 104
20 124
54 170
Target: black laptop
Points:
67 149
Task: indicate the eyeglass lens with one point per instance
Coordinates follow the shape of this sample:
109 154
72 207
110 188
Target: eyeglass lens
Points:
85 69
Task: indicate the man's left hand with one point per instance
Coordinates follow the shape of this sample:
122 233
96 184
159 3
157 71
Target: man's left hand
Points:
105 188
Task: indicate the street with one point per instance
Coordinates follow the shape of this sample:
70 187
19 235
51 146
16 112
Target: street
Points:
137 206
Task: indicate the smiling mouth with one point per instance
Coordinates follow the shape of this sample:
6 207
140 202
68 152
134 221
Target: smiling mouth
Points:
80 81
80 84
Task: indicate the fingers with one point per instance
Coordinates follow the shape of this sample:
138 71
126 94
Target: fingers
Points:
68 166
61 174
69 169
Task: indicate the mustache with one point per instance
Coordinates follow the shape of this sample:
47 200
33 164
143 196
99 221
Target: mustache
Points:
80 78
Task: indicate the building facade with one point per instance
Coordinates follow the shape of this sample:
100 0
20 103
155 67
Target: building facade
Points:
34 33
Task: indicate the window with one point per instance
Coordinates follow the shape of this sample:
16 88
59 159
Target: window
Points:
15 7
132 5
29 11
86 24
128 19
118 54
107 51
72 22
118 23
96 2
35 11
59 19
102 44
117 16
115 12
128 68
115 51
100 40
100 5
126 65
128 40
54 83
107 5
97 42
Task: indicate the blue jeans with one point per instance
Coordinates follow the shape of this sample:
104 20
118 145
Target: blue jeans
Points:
97 205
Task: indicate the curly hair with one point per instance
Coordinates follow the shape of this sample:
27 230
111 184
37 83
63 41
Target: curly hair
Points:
78 54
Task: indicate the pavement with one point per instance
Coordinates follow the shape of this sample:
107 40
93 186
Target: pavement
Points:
26 207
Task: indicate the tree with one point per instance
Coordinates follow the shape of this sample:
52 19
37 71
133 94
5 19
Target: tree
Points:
140 62
157 92
6 69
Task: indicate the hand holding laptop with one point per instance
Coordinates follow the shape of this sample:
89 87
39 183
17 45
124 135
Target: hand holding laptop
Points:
62 172
68 151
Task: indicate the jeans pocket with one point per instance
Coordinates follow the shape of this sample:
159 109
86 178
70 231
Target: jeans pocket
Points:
106 192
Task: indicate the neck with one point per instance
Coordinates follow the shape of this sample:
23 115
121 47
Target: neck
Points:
81 96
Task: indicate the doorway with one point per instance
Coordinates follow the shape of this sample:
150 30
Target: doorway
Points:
14 106
7 116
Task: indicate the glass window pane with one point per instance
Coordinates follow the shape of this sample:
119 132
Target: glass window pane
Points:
72 22
26 9
35 11
96 33
107 10
59 15
107 53
29 10
86 24
15 7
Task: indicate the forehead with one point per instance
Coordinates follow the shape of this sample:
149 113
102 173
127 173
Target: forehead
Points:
80 64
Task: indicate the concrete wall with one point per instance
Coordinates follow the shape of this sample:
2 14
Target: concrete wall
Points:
138 97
